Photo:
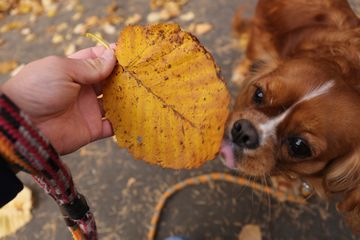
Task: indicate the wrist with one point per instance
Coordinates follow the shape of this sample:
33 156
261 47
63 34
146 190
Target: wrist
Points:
15 94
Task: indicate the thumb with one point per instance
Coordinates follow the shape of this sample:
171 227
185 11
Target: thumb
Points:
92 70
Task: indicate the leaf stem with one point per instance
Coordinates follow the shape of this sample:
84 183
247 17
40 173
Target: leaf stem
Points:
98 39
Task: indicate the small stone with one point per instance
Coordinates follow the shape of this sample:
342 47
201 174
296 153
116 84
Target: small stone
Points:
130 182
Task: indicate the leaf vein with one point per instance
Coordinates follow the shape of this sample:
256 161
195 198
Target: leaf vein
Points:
161 100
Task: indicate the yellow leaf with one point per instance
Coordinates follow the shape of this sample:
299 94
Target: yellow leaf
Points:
161 3
250 232
165 99
7 66
16 213
12 26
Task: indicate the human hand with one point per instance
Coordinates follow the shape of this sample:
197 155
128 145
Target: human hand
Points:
60 96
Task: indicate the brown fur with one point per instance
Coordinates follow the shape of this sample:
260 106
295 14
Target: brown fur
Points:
301 45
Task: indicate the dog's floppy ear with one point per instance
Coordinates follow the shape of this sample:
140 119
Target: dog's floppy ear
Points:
343 176
350 208
344 173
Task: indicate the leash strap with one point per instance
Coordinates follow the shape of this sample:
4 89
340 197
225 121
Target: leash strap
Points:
24 148
208 178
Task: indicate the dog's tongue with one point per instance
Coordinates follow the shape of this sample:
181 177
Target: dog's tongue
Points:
227 154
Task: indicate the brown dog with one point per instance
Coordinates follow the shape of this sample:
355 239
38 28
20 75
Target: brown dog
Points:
298 109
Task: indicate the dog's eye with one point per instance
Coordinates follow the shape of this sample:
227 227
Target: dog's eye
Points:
259 96
298 148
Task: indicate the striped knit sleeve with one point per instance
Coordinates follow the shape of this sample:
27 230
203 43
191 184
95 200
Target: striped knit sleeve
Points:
24 148
17 147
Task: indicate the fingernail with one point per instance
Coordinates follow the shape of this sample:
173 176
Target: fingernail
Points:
108 54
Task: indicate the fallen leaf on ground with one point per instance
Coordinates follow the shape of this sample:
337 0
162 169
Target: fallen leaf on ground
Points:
155 17
172 9
57 38
7 66
200 28
165 99
169 10
250 232
16 213
187 17
16 70
70 49
109 29
161 3
133 19
243 41
12 26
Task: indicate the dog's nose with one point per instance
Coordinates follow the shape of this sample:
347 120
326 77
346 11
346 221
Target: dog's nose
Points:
244 134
